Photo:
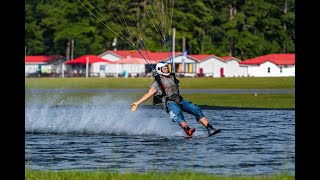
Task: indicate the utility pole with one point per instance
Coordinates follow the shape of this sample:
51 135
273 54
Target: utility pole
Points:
183 44
183 49
87 66
72 48
67 57
114 44
173 47
25 53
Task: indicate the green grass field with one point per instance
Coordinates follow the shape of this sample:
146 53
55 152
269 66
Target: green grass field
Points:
185 83
230 100
99 175
222 100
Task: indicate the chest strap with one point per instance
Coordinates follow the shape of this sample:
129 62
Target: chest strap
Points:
158 98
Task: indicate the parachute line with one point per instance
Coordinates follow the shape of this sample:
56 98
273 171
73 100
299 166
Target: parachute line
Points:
145 49
103 22
144 58
153 23
159 14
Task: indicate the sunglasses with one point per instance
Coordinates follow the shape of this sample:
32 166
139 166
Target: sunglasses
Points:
164 67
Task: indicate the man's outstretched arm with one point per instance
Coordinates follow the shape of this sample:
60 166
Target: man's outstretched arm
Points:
144 98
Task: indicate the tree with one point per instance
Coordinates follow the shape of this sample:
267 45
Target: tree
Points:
241 28
33 32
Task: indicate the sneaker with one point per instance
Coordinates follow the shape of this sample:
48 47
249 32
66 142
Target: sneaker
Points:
211 130
188 131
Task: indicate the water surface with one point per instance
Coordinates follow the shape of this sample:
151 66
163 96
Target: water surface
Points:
105 135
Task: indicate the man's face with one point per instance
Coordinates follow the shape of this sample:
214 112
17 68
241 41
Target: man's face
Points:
165 69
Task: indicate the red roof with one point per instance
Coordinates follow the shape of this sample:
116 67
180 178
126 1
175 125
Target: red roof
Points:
159 56
226 57
278 59
44 58
146 54
91 58
201 57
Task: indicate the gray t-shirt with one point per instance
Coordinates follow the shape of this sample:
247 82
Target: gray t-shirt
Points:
170 87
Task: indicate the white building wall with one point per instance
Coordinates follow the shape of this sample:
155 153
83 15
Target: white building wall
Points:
30 68
253 70
109 69
95 67
178 59
288 70
57 68
211 67
262 70
45 68
217 66
114 69
207 67
233 69
134 69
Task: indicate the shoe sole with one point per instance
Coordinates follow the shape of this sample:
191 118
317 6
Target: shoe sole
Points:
215 132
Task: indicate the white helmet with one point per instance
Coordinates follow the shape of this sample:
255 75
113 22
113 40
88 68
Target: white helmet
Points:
159 66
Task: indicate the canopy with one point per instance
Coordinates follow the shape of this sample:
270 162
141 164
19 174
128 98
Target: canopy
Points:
91 59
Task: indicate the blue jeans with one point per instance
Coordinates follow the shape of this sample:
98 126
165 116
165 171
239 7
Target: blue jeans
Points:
175 111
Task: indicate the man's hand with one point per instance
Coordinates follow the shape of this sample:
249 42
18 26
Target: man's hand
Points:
134 106
145 97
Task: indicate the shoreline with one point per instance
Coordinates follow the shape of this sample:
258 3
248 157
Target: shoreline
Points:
140 90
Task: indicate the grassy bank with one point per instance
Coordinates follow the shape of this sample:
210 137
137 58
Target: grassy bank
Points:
185 83
229 100
140 176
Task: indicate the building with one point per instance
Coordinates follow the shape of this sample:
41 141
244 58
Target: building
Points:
185 65
233 68
137 64
96 66
44 65
132 61
209 65
271 65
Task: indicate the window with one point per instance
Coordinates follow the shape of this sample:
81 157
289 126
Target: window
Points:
268 69
280 69
102 67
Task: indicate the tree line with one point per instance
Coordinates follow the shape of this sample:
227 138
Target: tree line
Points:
240 28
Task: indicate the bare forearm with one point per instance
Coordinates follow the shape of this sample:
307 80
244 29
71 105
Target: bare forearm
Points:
144 98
